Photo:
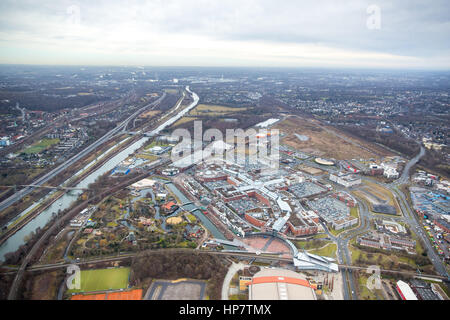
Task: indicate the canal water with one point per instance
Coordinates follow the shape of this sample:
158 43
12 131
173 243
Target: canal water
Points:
16 240
188 206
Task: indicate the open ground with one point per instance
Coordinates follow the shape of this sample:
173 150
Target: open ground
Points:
103 279
324 141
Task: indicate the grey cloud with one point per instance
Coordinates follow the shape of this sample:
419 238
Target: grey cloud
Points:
413 27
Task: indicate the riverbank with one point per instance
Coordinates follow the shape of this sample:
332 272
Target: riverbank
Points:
37 211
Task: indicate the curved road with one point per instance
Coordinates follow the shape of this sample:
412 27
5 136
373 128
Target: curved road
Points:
404 178
15 285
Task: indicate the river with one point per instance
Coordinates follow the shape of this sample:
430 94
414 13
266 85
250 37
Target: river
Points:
16 240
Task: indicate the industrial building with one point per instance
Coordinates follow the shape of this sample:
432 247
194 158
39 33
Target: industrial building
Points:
343 223
387 242
346 179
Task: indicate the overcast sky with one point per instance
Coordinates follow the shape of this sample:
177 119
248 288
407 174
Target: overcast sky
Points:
282 33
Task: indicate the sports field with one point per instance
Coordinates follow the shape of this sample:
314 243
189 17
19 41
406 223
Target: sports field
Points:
103 279
123 295
213 110
40 146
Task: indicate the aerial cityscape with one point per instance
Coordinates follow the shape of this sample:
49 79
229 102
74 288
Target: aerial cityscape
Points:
246 179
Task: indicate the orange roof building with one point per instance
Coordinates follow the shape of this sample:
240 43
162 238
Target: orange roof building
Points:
280 284
169 205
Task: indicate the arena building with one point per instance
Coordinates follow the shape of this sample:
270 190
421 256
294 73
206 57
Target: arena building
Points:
280 284
324 162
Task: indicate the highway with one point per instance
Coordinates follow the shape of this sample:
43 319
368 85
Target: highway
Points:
22 193
17 280
58 224
416 227
409 217
342 241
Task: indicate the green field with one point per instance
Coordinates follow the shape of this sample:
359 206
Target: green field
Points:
191 218
40 146
103 279
328 250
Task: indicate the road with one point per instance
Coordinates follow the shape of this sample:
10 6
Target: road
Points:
243 255
22 193
235 267
404 178
58 224
17 280
411 219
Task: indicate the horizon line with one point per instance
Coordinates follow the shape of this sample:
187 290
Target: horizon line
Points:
234 67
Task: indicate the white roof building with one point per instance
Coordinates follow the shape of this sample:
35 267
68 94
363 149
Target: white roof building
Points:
279 223
405 291
284 206
308 261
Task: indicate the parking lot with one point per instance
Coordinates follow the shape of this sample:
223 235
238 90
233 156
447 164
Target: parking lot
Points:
176 290
437 240
329 208
305 189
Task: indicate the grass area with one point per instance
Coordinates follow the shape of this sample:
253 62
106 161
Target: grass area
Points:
311 244
146 157
364 292
328 251
103 279
336 232
155 143
323 140
382 193
40 146
149 114
56 252
320 236
240 296
191 218
354 212
212 110
184 120
387 260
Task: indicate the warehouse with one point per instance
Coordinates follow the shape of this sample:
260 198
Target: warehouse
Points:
346 179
